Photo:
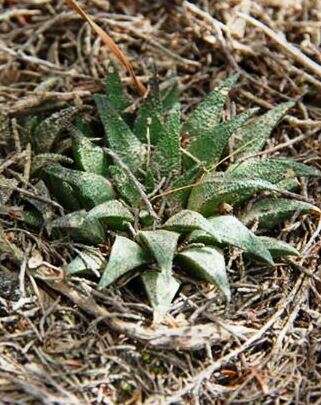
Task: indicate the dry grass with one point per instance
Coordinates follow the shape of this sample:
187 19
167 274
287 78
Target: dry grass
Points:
63 342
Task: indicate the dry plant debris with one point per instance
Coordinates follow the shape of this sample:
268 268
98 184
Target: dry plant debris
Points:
55 341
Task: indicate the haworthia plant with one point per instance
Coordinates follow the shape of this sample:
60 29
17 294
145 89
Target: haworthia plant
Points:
158 202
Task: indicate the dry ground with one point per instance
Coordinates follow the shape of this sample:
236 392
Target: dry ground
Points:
61 342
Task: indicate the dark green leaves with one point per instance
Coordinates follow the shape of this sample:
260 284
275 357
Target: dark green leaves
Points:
88 188
273 170
208 112
167 156
119 136
215 190
88 157
115 93
254 135
209 147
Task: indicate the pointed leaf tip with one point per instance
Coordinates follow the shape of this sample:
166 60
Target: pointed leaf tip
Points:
125 256
162 245
207 263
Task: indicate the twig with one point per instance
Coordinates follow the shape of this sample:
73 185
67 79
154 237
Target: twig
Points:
208 371
295 52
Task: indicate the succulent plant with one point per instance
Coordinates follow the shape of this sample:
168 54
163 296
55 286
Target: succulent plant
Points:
162 202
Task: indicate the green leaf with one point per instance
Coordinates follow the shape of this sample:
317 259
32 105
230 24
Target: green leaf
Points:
187 221
179 198
119 136
115 93
170 97
44 159
148 122
254 135
84 263
45 209
233 232
89 188
273 170
217 189
48 131
167 156
209 147
32 218
80 228
125 255
162 245
125 186
161 288
88 157
207 263
278 248
208 113
112 213
271 211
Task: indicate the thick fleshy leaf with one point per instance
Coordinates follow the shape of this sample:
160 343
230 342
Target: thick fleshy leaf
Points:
170 97
119 136
148 125
180 186
278 248
112 213
91 189
115 90
45 159
162 245
217 189
161 288
167 156
271 211
48 131
273 170
290 183
206 263
208 112
64 193
80 228
32 218
254 135
125 256
125 186
88 157
45 209
234 233
209 147
85 263
187 221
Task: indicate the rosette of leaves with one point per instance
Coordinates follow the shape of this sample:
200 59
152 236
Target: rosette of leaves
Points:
158 201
